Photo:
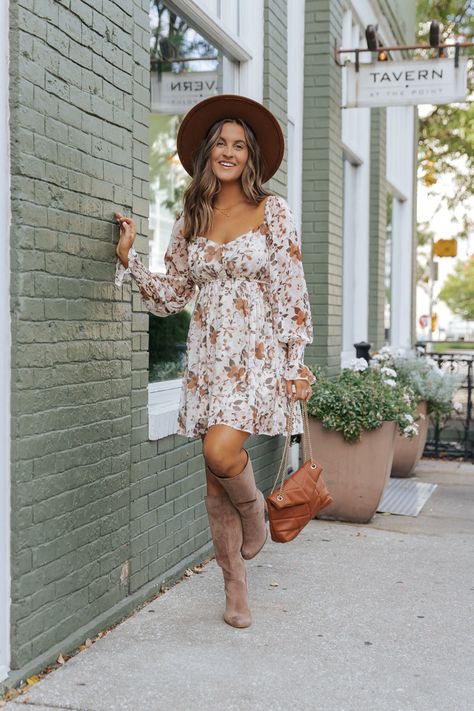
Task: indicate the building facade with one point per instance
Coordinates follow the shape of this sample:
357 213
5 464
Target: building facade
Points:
101 501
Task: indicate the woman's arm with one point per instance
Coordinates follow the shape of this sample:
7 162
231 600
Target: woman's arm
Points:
289 292
162 294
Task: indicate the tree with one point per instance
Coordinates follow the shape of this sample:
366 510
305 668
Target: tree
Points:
458 290
446 136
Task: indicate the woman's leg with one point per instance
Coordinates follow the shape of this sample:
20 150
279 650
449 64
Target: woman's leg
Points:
223 454
226 529
228 467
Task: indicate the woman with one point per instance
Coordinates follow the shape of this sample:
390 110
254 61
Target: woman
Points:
251 321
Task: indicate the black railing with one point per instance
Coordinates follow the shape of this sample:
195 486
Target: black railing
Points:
453 435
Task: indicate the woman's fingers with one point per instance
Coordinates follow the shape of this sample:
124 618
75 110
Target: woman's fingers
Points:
302 389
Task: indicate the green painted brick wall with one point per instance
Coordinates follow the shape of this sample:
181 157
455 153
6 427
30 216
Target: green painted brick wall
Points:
101 516
275 76
322 210
377 227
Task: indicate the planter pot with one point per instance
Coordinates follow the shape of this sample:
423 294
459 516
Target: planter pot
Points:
408 452
355 472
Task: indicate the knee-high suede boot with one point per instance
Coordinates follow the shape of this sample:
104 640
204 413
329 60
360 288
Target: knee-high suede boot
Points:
250 503
226 529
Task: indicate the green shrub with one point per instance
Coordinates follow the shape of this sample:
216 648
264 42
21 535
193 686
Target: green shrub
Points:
362 398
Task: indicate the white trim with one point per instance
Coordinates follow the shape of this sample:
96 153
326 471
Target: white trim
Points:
252 29
5 362
355 290
163 408
400 156
212 27
295 60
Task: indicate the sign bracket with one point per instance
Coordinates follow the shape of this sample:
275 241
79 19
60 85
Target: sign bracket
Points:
356 51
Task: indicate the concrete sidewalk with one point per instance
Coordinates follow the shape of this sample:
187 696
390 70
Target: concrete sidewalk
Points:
347 617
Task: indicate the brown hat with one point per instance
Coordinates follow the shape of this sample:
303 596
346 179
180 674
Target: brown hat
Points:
263 123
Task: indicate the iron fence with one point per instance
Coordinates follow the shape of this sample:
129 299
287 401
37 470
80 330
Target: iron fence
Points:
453 435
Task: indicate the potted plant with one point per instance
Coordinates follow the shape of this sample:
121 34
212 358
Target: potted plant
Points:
353 420
434 390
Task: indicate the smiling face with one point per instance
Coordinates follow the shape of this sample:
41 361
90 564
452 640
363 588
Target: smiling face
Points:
230 153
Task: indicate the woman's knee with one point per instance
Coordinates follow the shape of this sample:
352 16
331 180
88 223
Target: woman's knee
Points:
218 458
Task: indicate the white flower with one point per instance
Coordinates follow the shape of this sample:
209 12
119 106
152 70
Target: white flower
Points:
358 364
420 349
381 357
390 382
389 371
408 418
401 352
458 406
410 430
432 362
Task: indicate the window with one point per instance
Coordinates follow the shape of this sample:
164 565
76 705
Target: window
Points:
184 70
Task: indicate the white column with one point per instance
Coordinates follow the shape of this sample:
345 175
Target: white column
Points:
400 176
5 354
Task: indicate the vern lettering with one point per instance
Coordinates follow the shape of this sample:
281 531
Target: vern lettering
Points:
196 85
406 76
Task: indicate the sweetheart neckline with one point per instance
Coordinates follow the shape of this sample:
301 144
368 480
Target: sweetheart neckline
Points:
234 239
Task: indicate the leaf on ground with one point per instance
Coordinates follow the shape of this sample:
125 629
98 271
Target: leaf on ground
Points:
188 573
198 569
32 679
60 659
274 584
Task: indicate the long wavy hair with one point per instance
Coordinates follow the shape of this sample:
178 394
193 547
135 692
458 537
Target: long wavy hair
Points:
201 194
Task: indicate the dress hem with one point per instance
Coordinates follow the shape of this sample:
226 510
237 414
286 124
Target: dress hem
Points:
194 435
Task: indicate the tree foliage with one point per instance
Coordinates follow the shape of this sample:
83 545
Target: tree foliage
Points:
458 290
446 137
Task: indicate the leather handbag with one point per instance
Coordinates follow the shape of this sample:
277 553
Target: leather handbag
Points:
299 497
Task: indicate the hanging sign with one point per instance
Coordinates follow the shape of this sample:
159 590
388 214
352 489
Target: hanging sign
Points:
176 93
406 83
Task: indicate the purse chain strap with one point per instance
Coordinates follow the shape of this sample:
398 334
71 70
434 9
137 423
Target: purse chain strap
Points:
307 450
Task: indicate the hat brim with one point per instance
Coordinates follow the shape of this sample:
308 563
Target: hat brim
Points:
263 123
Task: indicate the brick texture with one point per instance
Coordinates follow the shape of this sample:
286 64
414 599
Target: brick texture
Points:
323 180
101 516
377 227
275 77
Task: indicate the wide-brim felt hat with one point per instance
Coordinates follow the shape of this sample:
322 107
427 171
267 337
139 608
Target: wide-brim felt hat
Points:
199 119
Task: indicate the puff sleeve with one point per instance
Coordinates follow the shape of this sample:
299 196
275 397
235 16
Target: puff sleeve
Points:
162 294
289 294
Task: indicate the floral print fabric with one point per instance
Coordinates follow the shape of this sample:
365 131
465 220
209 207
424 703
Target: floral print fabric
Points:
249 327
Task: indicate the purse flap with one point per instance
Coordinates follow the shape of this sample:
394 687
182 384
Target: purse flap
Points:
298 488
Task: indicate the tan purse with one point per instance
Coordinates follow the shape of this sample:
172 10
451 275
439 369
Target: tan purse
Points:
303 494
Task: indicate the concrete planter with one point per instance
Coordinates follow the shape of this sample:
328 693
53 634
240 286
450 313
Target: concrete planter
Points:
355 472
408 452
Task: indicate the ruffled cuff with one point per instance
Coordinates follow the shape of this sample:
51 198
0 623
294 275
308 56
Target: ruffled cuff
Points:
299 371
295 368
120 271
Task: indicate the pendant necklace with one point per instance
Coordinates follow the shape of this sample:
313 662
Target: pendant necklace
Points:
226 210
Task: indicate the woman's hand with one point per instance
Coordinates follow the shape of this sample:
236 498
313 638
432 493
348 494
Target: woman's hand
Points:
303 389
128 232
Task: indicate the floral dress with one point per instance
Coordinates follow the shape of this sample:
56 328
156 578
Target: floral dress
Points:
249 327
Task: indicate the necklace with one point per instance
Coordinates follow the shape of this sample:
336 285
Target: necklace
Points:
226 210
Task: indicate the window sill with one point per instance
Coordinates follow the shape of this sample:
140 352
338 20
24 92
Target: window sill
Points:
163 407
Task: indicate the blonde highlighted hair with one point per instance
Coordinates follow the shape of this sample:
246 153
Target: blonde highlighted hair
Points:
201 194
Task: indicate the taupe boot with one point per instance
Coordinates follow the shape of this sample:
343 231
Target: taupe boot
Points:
226 529
250 503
